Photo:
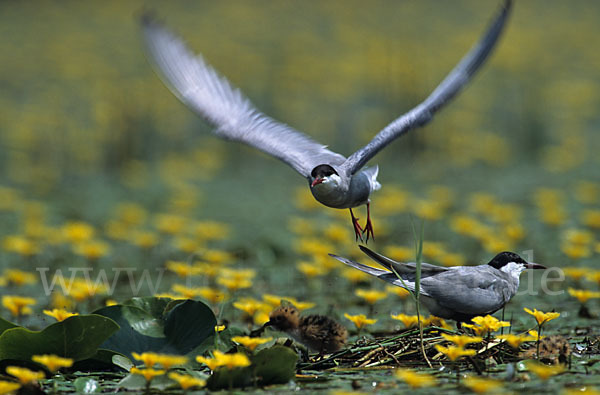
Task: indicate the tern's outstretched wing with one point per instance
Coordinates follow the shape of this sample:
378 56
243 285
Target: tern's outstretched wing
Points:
210 95
445 91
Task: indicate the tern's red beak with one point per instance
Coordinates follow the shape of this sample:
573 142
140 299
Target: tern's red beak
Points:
316 181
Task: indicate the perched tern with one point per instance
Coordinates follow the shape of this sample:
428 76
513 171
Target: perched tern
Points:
335 181
458 292
316 332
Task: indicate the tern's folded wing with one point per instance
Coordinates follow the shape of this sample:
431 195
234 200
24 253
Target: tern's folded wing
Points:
476 292
210 95
403 268
381 274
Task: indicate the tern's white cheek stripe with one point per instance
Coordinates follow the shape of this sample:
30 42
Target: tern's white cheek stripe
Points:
513 268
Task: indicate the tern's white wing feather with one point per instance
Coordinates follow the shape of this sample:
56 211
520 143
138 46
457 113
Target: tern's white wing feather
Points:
210 95
445 91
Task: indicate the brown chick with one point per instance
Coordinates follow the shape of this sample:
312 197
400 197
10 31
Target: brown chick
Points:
317 332
555 349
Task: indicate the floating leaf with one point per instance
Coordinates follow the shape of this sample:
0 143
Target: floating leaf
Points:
86 385
4 325
159 325
77 337
275 365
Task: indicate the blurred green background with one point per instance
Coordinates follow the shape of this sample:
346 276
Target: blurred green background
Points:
86 125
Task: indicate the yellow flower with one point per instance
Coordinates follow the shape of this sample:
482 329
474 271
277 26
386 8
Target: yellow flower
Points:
578 236
181 269
59 314
20 245
544 372
77 232
250 306
251 342
415 380
462 340
360 320
337 233
210 362
313 246
488 323
19 277
170 224
167 361
148 373
52 362
92 249
310 269
428 209
211 230
398 291
481 385
533 336
514 340
433 250
399 253
220 328
591 218
221 359
186 381
131 213
583 295
576 273
148 358
18 305
452 259
234 284
437 321
82 289
144 239
25 376
575 251
231 361
409 321
211 294
217 256
371 296
542 317
454 352
587 191
8 387
206 269
110 302
275 301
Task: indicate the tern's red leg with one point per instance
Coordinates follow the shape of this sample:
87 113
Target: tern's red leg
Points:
358 231
369 225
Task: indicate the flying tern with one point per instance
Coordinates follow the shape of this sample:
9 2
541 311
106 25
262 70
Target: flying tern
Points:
334 180
457 292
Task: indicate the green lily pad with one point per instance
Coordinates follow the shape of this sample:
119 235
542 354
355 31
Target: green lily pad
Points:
86 385
4 325
159 325
275 365
77 337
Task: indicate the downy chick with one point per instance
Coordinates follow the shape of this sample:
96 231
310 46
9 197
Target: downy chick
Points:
316 332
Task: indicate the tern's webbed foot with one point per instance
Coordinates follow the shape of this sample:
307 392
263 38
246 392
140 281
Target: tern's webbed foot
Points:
369 225
358 230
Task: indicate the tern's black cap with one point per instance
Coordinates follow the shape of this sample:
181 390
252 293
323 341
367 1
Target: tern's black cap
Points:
323 171
504 258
